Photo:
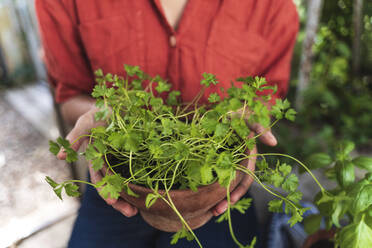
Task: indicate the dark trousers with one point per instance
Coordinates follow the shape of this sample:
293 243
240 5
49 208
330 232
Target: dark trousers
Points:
98 225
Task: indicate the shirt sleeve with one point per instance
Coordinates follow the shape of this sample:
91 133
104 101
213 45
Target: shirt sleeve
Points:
281 33
65 59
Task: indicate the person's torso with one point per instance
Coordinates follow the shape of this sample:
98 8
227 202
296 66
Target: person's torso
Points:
223 37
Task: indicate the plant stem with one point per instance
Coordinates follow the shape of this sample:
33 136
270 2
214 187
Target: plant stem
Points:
80 181
299 162
229 216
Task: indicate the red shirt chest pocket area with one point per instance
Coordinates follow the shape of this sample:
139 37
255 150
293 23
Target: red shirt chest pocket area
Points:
233 53
110 43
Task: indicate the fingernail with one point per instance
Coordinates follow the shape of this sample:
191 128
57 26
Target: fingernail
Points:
272 138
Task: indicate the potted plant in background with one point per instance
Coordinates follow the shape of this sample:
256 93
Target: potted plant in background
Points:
347 210
154 151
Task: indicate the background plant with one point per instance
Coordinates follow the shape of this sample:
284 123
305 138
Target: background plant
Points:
349 206
336 104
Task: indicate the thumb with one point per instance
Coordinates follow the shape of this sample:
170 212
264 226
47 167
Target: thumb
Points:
82 127
266 137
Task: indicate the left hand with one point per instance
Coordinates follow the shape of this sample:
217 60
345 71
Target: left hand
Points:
266 138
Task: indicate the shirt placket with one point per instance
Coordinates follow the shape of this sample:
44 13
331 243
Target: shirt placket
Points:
140 32
175 39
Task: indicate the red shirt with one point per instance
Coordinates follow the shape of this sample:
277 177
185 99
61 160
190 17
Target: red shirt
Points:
229 38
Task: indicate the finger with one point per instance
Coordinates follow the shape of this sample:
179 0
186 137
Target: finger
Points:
220 208
125 208
241 189
82 127
96 176
235 196
266 137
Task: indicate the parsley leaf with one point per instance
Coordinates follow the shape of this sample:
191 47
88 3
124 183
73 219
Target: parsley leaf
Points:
213 98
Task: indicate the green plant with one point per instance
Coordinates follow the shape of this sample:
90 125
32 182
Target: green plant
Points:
171 145
336 104
349 206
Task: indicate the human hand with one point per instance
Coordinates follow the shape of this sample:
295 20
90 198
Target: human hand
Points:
268 139
82 127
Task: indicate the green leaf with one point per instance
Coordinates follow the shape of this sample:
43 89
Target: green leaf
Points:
345 173
363 199
225 160
156 103
91 153
262 164
98 73
208 79
54 147
242 205
223 217
172 98
213 98
318 160
312 223
63 142
285 169
368 176
99 90
163 87
235 104
275 206
97 164
290 114
134 71
363 162
71 156
276 179
102 114
338 210
295 196
111 186
72 190
129 191
137 84
183 233
116 140
182 150
132 141
109 77
347 146
224 175
209 125
57 188
221 130
290 183
151 199
51 182
355 235
168 126
193 174
253 243
206 174
58 191
240 127
296 218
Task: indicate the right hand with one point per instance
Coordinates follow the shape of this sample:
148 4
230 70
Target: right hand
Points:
82 127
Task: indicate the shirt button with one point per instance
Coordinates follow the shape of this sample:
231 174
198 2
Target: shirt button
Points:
172 41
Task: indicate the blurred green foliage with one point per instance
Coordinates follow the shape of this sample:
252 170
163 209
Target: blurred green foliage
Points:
337 104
